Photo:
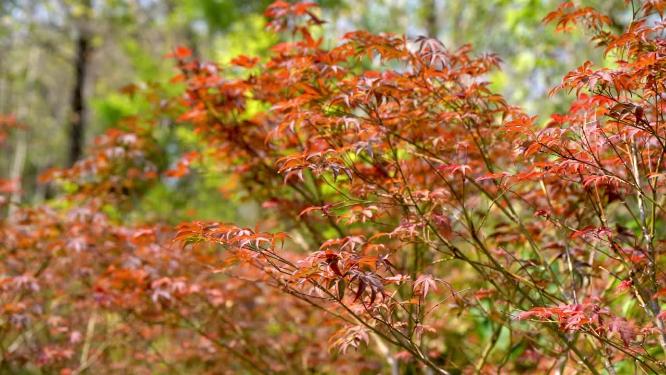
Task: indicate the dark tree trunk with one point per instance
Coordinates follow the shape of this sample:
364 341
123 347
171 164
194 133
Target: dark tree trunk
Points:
431 18
77 124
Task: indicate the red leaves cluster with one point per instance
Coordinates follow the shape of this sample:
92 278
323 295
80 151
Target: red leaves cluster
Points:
567 15
584 317
122 162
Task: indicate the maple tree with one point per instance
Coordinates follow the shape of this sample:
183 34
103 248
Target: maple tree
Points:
407 208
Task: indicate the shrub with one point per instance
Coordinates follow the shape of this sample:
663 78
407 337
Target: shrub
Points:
411 217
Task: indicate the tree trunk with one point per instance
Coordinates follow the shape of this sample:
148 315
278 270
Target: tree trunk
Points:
77 124
430 8
21 148
16 172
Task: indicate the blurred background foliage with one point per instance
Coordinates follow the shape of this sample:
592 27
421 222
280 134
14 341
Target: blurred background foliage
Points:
105 51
